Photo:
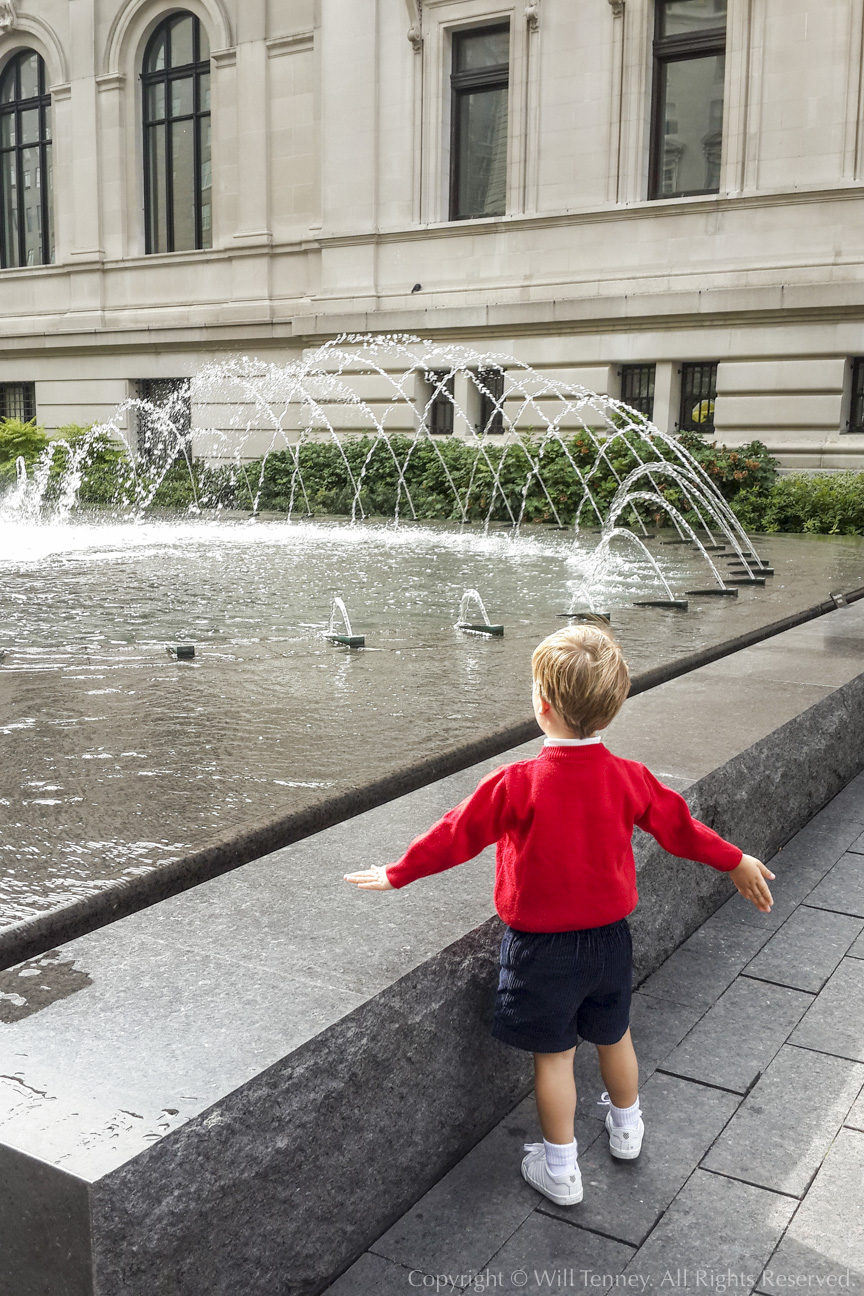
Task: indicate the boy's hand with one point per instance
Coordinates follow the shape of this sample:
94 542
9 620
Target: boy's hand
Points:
371 879
749 879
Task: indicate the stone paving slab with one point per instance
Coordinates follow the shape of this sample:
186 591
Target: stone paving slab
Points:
842 889
858 845
806 949
857 950
371 1273
798 867
546 1254
835 1021
705 965
783 1129
825 1240
657 1026
716 1227
855 1119
626 1199
474 1208
734 1042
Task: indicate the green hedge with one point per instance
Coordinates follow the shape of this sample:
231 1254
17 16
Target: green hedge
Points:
820 503
746 476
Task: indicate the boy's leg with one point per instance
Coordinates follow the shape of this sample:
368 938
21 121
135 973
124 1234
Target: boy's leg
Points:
620 1070
555 1091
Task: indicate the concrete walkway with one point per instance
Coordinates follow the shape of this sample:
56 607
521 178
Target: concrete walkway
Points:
751 1043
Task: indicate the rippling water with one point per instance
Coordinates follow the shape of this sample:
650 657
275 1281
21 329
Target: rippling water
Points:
116 757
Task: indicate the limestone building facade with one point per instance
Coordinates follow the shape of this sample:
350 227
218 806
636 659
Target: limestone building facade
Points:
659 199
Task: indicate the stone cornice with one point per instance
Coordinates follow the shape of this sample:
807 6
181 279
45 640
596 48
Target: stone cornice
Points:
297 43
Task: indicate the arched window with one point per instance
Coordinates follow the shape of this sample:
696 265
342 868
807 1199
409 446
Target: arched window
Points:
27 221
177 172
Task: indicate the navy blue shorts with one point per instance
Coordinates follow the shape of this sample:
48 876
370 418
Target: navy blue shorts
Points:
557 987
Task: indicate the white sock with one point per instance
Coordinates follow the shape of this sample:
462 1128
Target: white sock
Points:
560 1157
625 1117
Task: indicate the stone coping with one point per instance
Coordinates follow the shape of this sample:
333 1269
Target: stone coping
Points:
205 1096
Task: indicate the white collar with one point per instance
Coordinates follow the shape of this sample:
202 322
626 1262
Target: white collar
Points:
572 742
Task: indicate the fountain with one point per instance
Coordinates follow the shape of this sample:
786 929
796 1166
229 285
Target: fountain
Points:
483 626
408 476
346 636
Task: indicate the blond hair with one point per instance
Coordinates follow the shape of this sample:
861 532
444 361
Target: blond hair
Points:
582 674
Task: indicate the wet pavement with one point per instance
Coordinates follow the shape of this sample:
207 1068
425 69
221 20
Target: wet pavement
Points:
751 1046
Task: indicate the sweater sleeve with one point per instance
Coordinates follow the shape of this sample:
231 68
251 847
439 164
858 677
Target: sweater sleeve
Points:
464 832
667 818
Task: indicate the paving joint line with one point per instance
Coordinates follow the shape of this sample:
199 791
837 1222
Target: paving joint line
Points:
724 1174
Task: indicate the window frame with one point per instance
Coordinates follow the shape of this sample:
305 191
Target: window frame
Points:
709 394
442 403
42 102
28 401
856 395
195 70
490 387
676 49
496 77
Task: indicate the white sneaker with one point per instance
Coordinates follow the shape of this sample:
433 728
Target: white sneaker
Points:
625 1143
564 1189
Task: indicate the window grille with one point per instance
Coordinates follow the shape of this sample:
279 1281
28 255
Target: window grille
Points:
491 401
637 388
18 401
689 76
174 397
441 406
698 394
479 83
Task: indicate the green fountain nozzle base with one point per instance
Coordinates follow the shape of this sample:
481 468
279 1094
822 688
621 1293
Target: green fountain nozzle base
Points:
350 641
745 580
759 571
714 592
586 616
676 542
496 630
714 548
662 603
181 652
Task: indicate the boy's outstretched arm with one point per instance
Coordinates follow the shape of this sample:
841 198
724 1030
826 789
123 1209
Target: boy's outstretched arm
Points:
668 819
464 832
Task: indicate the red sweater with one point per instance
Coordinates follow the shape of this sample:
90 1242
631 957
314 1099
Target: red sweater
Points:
563 823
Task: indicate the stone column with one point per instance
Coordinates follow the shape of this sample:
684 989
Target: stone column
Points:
86 240
253 133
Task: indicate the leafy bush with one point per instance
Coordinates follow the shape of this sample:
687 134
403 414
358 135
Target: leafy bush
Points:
821 503
19 440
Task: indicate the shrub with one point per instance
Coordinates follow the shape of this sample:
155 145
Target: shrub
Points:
19 440
821 503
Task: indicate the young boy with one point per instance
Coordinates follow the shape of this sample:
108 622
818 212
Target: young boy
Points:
565 883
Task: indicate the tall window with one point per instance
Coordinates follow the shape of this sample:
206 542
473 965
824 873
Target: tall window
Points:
856 410
170 403
441 404
491 401
689 71
698 394
478 122
177 168
637 387
27 224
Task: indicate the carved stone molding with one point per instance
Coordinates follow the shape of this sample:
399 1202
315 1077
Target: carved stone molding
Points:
617 8
7 16
415 17
532 13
